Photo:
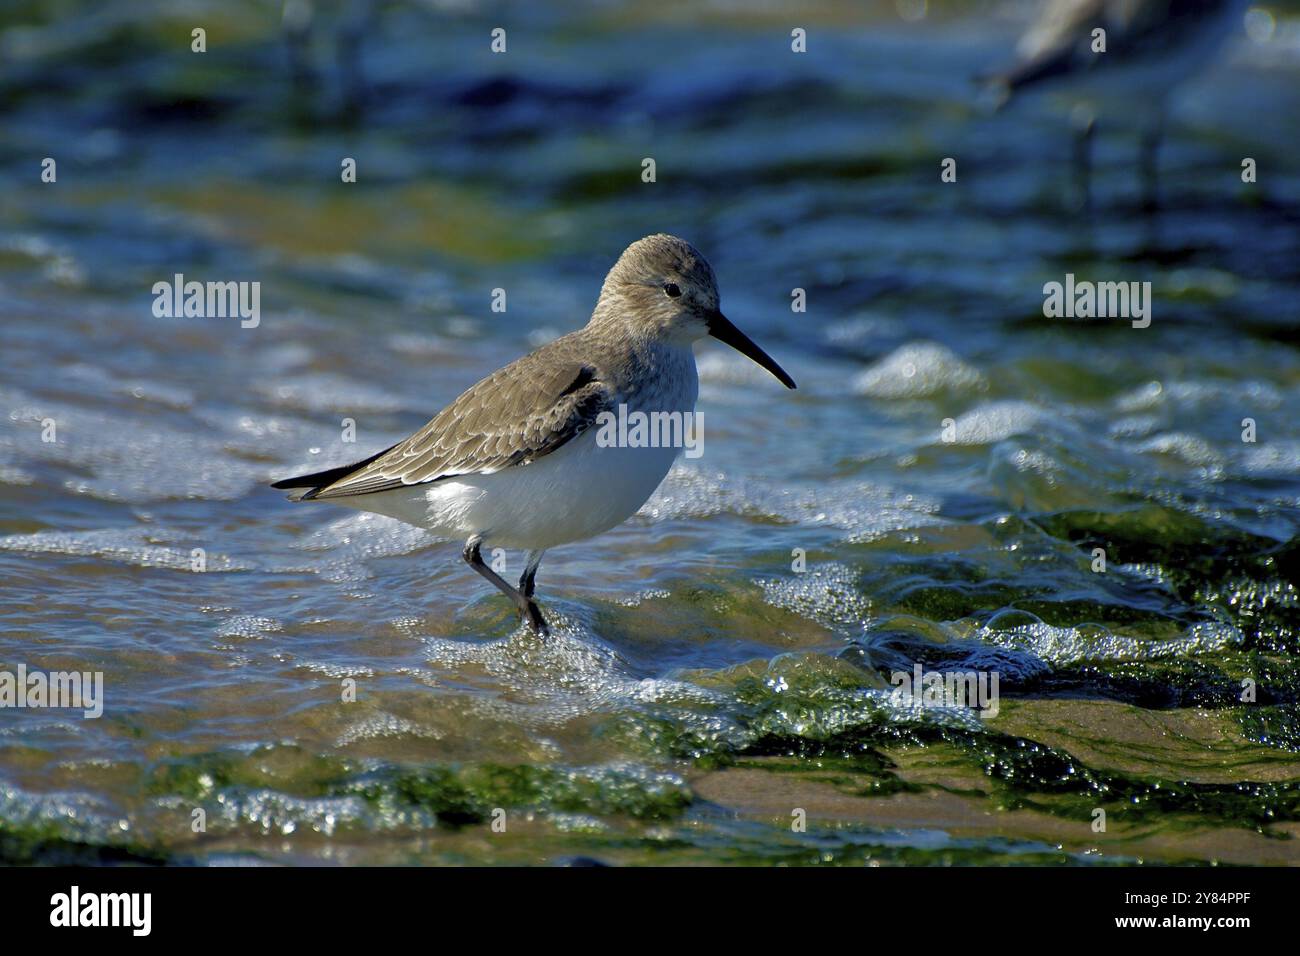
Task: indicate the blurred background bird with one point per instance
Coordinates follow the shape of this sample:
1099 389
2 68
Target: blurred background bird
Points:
1122 59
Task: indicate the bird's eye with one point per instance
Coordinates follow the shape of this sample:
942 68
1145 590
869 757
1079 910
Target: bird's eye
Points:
672 290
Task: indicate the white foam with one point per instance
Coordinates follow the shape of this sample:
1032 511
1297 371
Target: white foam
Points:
916 370
127 460
351 541
376 726
10 475
1276 458
279 813
827 594
248 627
1190 448
570 674
863 510
322 392
73 812
142 547
1069 645
997 421
1195 395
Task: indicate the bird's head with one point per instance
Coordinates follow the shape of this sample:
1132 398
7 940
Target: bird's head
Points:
663 288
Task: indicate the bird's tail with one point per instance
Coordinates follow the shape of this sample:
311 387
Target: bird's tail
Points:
318 481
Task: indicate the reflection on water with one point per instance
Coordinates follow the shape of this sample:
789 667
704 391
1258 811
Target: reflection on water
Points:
936 492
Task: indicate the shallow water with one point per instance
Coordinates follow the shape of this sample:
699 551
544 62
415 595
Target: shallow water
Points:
698 690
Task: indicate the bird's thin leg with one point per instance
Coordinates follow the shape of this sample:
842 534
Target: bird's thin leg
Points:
528 583
1084 136
527 609
1150 163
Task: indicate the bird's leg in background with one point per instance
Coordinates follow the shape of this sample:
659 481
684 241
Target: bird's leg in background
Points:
296 26
348 36
528 610
1149 161
1085 125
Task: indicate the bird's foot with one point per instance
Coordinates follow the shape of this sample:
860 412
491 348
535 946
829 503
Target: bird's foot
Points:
532 615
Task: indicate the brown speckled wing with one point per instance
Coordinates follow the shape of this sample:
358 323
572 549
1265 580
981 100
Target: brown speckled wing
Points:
513 417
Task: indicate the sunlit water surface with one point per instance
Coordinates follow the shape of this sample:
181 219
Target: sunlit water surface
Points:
719 664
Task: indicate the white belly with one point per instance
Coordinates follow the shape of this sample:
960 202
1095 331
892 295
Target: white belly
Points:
577 492
583 489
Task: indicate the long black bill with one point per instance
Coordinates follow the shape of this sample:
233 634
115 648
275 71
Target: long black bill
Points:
720 328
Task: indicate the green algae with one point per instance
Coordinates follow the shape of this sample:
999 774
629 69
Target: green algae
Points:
50 843
1276 725
469 795
196 777
454 795
1246 580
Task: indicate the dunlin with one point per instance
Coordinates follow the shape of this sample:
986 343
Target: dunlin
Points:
515 462
1151 46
